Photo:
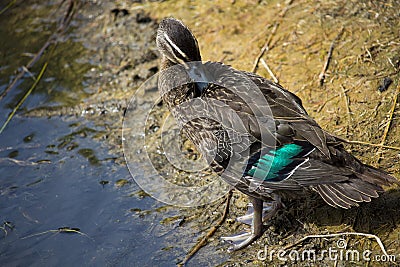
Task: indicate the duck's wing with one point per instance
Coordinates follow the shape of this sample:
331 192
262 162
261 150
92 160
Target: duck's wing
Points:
304 155
343 181
264 106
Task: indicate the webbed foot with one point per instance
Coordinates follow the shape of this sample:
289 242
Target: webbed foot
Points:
256 214
242 240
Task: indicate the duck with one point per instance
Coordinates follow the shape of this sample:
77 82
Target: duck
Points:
257 135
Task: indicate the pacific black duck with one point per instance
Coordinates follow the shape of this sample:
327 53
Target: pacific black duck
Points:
256 134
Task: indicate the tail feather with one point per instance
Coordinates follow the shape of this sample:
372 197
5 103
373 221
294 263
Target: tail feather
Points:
352 195
378 177
362 185
348 194
365 188
336 201
325 196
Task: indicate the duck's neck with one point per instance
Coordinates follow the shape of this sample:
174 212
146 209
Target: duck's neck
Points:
188 80
166 63
171 81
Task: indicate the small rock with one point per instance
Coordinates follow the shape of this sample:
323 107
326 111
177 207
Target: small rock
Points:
386 83
117 11
142 18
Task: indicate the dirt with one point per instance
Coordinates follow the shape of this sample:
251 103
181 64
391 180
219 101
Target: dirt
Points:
299 36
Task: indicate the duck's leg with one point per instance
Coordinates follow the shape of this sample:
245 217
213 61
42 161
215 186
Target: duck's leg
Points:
248 217
275 206
259 213
257 228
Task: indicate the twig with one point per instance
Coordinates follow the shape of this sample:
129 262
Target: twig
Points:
12 2
391 112
65 229
378 240
269 70
27 67
210 233
371 144
265 47
61 29
262 51
19 162
326 102
52 39
30 73
24 97
346 98
328 60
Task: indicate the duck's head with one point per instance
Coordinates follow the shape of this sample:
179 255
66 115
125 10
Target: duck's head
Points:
176 43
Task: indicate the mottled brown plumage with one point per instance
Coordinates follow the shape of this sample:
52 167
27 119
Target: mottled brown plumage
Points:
255 133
